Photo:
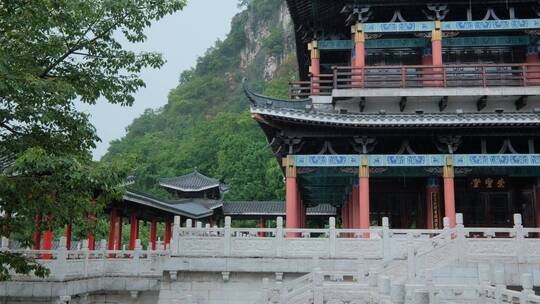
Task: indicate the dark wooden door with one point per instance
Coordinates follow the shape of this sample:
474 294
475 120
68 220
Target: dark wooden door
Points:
498 209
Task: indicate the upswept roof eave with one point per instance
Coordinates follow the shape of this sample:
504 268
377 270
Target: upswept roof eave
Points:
148 200
401 119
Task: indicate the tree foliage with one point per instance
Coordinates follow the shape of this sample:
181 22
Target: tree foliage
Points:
205 123
55 53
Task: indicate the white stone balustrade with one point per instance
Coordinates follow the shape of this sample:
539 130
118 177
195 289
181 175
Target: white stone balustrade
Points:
480 262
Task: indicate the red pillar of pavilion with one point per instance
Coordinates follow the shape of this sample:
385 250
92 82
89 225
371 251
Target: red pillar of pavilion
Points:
359 53
261 225
118 232
153 233
351 201
112 230
433 194
48 238
90 235
344 216
315 67
537 199
449 192
37 233
167 234
291 197
533 67
363 196
437 55
68 236
134 230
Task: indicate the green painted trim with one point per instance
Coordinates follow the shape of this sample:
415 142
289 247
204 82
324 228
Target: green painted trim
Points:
421 42
486 41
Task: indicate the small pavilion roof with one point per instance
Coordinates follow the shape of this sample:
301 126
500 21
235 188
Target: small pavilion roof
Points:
270 208
187 208
192 182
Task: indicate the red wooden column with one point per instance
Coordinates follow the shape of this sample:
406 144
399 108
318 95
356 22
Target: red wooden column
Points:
437 56
48 238
68 236
315 67
37 233
261 225
134 230
537 199
533 67
449 193
291 197
112 230
433 195
351 201
427 60
90 235
359 54
363 196
153 233
167 234
118 233
344 216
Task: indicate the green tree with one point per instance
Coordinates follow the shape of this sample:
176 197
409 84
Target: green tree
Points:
54 53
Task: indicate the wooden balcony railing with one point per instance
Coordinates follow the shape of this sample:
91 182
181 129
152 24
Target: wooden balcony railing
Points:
418 76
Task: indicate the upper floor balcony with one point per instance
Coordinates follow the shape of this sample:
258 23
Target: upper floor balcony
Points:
445 80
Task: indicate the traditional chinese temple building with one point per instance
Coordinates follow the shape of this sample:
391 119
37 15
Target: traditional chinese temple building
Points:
413 110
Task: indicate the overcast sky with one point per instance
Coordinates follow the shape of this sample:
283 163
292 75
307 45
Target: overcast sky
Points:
181 38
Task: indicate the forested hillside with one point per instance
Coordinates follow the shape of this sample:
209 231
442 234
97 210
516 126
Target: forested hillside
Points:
206 122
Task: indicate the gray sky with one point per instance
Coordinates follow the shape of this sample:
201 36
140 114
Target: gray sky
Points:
181 38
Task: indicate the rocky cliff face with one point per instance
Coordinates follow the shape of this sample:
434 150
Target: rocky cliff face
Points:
206 122
269 42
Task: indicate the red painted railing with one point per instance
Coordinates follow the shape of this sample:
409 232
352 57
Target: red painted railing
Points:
418 76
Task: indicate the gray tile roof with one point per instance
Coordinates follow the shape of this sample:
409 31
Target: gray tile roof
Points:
270 208
301 111
402 119
191 182
207 203
187 208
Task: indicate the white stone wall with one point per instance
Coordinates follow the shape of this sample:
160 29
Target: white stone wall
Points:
211 288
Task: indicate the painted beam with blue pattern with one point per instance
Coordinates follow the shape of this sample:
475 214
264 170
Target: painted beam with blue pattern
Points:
436 160
428 26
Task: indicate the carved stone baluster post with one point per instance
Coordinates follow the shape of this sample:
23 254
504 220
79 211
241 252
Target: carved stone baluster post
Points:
446 228
86 255
520 238
61 259
175 242
527 284
227 249
5 244
137 255
386 239
411 259
332 237
318 291
500 283
460 234
279 237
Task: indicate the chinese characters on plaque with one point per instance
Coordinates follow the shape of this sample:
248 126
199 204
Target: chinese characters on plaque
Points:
488 183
